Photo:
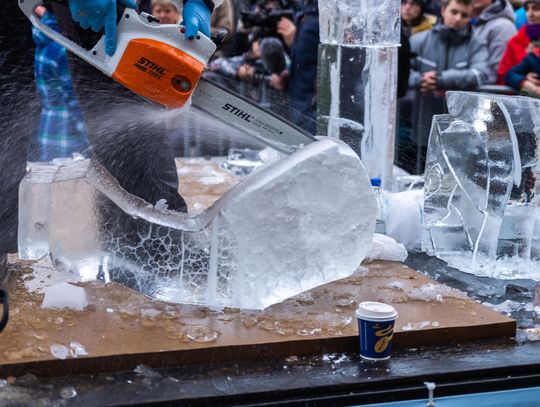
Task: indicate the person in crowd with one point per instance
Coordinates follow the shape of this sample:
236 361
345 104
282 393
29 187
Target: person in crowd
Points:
167 11
300 80
414 19
266 57
61 128
222 17
520 44
494 23
448 57
433 7
525 76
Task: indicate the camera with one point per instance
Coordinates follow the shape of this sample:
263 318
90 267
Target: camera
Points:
266 19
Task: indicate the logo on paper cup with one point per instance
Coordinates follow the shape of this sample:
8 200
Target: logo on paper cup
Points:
385 335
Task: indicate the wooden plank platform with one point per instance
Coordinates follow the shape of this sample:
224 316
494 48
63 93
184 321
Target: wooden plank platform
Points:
122 328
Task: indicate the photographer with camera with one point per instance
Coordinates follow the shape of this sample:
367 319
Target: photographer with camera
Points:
266 54
266 57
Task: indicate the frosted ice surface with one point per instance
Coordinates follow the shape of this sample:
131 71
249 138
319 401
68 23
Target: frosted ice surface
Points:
480 180
294 224
64 295
34 237
404 217
355 22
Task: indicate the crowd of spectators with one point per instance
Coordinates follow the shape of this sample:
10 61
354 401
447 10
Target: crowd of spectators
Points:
270 55
446 45
465 45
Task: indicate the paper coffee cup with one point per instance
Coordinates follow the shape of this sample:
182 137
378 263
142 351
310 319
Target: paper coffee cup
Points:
376 329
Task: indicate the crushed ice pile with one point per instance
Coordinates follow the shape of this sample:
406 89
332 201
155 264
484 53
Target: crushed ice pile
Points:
297 222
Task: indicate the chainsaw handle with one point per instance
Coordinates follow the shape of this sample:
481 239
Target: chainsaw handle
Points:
96 56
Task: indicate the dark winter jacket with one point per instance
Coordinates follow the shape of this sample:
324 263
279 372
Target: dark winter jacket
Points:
460 61
515 52
495 26
517 74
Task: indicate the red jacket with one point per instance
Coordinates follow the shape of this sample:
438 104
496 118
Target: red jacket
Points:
515 51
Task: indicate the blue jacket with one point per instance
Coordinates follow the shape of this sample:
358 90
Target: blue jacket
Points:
516 75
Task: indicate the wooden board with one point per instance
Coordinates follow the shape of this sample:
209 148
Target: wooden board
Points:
122 328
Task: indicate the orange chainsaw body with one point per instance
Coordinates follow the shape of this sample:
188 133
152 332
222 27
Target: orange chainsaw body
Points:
158 72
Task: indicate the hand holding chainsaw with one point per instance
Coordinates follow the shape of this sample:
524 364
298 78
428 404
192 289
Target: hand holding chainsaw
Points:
99 14
196 17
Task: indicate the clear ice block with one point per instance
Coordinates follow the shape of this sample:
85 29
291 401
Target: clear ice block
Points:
480 198
295 223
33 229
357 79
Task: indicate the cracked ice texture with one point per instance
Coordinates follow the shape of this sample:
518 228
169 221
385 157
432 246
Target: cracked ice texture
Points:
294 224
480 185
359 22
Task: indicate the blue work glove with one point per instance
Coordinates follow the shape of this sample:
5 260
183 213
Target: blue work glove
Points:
96 14
196 17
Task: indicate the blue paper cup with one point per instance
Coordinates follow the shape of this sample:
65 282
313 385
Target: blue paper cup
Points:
376 329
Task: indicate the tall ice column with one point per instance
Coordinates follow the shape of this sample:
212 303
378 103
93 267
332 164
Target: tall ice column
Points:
357 78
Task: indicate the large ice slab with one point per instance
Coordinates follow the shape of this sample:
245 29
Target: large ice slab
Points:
295 223
481 181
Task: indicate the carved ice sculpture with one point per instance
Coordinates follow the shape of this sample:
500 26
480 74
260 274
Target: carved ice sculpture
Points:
294 224
480 182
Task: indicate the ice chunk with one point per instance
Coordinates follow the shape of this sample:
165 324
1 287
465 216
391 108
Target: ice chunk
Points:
59 351
386 248
65 295
294 224
161 206
480 179
76 349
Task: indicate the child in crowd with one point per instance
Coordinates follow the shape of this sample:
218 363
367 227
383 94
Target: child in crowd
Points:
525 76
167 11
520 44
448 57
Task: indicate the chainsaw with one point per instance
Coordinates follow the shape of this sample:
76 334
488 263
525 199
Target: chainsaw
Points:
157 62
